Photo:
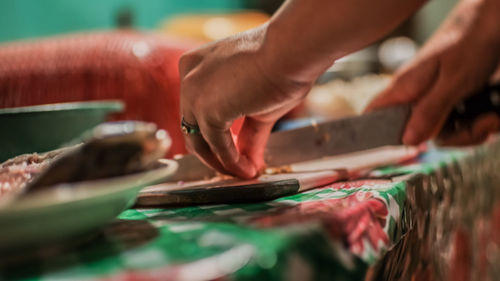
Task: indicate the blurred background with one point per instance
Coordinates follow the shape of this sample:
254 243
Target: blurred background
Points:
56 51
32 18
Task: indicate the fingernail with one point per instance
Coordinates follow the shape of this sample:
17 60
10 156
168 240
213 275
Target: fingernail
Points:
409 138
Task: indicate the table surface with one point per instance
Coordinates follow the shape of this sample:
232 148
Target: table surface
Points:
336 231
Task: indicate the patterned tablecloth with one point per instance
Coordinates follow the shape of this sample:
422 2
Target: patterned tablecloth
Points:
429 219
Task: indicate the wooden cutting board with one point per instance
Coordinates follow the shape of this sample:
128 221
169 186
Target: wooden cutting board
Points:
281 181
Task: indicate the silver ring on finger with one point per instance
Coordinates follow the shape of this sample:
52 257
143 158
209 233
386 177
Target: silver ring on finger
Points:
189 129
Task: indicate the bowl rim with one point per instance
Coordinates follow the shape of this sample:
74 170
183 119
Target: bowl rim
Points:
106 105
80 191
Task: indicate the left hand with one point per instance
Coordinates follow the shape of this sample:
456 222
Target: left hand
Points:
227 80
458 60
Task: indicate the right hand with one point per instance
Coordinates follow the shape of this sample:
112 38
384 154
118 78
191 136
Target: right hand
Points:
457 61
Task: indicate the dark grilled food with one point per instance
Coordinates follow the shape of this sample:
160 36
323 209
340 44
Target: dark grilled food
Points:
113 149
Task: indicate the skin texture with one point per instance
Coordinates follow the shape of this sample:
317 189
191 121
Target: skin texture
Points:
261 74
459 59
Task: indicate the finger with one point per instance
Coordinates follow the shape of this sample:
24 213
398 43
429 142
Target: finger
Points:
432 109
480 131
486 125
196 145
428 116
220 141
408 85
252 140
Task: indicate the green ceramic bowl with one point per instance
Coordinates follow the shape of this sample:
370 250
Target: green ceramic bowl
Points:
46 127
68 210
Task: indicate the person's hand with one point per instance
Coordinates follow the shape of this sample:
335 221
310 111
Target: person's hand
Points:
226 80
458 60
261 74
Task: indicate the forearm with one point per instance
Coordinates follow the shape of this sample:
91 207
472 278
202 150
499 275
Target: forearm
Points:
306 36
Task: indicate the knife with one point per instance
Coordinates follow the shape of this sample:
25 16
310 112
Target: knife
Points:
313 154
378 128
194 183
371 130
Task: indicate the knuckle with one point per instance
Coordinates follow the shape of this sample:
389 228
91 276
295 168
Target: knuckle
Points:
187 57
188 61
215 122
183 65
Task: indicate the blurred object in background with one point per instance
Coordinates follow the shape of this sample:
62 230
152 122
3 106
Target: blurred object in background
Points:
141 69
34 18
348 86
394 52
266 6
339 98
210 27
138 68
125 18
429 18
41 128
384 57
21 19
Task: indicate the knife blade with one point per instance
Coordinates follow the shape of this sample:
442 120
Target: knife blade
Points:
371 130
330 138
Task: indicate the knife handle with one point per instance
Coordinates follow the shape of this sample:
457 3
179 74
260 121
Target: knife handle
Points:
486 100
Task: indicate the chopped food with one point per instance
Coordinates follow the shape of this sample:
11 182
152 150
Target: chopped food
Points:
17 172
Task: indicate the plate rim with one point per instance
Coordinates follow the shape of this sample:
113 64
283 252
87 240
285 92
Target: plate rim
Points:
68 193
107 105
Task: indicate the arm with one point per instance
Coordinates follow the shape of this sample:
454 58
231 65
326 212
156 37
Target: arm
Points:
309 35
261 74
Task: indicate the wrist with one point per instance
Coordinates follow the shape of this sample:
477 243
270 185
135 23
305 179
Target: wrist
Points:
289 56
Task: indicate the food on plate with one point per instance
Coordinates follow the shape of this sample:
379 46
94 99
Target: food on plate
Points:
113 149
16 172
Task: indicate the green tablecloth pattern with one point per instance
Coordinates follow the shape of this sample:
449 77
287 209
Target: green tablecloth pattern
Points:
343 231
